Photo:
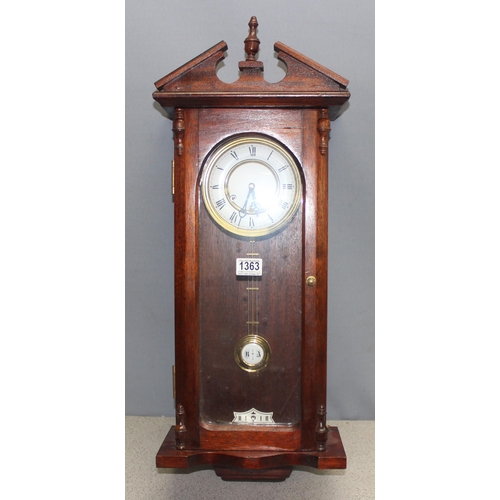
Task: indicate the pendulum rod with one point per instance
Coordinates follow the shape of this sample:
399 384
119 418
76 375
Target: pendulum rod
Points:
253 298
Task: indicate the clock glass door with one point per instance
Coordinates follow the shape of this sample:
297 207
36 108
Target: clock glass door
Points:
250 288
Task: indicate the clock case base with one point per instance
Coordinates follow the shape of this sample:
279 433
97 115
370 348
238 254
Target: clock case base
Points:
253 465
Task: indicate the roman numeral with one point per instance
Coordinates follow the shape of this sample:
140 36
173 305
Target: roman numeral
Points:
215 186
253 150
221 203
283 204
284 167
287 186
234 155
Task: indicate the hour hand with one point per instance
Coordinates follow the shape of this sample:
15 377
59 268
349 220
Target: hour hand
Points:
251 194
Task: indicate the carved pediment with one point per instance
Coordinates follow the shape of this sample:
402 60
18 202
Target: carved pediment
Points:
306 82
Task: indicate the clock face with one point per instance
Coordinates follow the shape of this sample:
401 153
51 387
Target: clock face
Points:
251 185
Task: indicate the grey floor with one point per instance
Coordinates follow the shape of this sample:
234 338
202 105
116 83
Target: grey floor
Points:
144 481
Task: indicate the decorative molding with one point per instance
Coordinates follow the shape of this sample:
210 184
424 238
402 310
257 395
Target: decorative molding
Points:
324 130
178 128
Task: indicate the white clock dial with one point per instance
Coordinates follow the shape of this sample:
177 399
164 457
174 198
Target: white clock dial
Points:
251 185
252 354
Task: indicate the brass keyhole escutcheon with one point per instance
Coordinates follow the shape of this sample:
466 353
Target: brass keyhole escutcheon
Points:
311 281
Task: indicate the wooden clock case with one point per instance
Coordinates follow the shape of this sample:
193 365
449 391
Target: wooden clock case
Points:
297 112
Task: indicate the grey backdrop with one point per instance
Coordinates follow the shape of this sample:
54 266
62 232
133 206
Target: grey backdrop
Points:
161 35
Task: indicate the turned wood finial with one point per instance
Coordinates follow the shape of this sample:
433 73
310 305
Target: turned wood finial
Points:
180 428
251 41
321 429
178 126
324 130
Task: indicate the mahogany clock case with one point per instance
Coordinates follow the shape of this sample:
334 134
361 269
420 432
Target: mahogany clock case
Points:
224 136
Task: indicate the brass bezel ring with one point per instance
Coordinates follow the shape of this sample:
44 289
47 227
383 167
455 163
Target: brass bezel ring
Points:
252 339
210 163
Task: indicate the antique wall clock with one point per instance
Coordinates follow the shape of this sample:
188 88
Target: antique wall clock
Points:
250 195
